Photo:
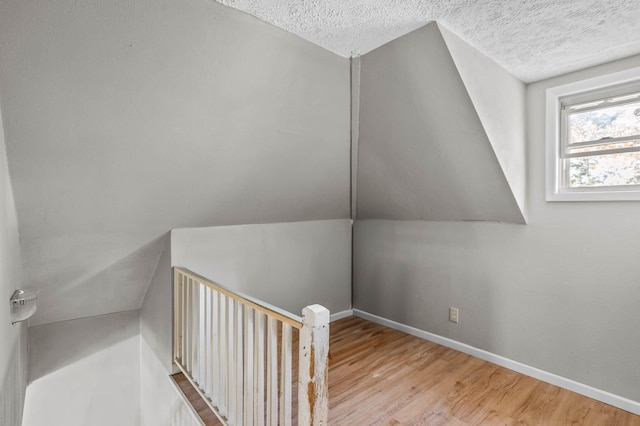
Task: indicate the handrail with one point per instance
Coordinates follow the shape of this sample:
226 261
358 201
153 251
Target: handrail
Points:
237 353
264 307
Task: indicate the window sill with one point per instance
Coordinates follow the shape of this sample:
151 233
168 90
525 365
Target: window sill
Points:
626 194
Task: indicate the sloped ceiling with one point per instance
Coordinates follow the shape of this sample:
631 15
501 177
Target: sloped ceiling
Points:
532 39
424 153
126 119
499 99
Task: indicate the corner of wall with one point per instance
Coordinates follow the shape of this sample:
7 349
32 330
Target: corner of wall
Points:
13 350
156 311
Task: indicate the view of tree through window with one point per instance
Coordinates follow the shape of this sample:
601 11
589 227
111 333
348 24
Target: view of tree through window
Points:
612 168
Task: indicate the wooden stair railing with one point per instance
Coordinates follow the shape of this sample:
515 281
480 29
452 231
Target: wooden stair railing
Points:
237 353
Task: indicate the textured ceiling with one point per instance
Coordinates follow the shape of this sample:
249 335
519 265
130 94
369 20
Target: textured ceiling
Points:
533 39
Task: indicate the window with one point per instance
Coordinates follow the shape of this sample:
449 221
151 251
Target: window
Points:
593 139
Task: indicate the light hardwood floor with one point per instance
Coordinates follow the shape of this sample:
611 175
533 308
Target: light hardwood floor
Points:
381 376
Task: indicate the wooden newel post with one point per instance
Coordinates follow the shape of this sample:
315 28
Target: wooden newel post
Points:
313 386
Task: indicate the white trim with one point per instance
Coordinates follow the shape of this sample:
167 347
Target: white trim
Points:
339 315
553 162
602 194
186 402
545 376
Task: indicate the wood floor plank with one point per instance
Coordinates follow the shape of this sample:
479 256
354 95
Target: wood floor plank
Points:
381 376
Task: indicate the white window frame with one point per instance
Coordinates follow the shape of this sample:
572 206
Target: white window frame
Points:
599 87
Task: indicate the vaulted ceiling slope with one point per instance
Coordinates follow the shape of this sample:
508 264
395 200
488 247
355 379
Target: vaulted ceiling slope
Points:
441 133
125 119
532 39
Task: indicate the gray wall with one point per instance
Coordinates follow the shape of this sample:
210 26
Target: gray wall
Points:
289 265
423 152
85 372
160 402
13 347
156 320
560 293
125 120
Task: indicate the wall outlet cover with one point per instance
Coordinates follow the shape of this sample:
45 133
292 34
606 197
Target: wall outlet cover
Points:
453 315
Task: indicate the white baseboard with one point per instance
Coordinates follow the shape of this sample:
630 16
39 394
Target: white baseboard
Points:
340 315
545 376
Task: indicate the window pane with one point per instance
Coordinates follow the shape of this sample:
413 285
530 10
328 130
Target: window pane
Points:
605 170
613 122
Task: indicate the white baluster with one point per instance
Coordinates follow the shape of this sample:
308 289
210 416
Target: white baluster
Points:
285 376
188 326
231 365
195 336
183 299
248 364
206 344
222 352
213 350
272 372
238 397
259 394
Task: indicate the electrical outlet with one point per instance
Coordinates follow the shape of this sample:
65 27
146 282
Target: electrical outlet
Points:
453 315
